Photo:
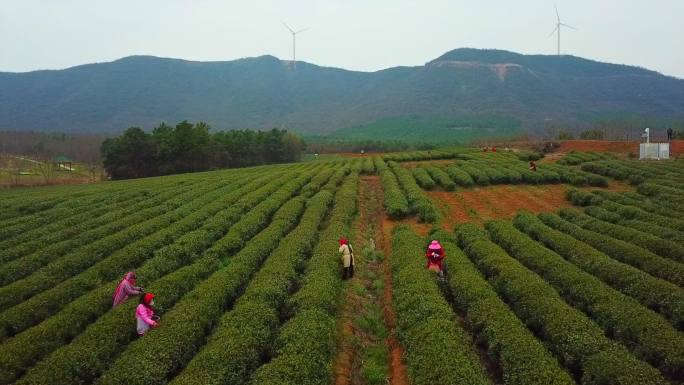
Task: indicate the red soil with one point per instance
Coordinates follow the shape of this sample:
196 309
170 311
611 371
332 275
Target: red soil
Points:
620 147
345 352
615 185
398 374
677 147
421 229
485 203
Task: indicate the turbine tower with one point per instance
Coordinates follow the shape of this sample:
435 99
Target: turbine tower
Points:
294 44
560 24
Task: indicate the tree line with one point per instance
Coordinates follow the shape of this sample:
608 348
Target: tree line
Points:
189 147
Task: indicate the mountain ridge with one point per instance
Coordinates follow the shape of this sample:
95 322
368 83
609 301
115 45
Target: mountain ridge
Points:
455 54
265 92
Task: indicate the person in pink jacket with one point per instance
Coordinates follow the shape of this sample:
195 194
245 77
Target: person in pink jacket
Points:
125 289
144 314
435 257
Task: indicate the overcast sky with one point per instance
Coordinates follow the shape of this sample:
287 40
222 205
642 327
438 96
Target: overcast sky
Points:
354 34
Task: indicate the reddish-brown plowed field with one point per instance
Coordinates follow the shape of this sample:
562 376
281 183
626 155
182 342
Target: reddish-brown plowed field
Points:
421 228
495 202
620 147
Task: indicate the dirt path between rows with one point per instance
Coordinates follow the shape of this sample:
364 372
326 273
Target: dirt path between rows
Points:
370 291
348 362
398 374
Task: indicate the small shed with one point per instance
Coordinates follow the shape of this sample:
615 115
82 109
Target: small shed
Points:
62 162
650 150
654 151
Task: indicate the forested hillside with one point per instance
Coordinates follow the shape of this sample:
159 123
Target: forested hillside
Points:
464 88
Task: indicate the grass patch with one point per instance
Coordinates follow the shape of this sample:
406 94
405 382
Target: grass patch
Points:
372 321
375 370
359 289
378 285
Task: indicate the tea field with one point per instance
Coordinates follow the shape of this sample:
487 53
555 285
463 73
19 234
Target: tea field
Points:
570 274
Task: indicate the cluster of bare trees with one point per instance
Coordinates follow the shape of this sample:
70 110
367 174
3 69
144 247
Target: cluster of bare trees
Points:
619 128
19 149
10 166
83 148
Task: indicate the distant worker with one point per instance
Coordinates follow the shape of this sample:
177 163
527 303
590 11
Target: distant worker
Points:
669 134
435 257
347 258
144 314
125 289
533 166
493 149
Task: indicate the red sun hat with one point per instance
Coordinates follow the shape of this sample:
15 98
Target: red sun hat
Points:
343 241
148 298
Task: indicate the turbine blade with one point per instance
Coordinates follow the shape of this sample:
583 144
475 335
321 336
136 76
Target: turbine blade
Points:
288 27
557 14
569 26
554 31
302 30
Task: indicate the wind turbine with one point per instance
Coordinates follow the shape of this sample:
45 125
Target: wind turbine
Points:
560 24
294 43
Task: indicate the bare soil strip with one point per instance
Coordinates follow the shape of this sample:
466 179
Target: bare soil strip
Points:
369 289
398 374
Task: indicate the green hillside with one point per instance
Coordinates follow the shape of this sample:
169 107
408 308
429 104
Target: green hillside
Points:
265 92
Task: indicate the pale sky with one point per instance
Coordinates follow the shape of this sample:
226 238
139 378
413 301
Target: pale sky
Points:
365 35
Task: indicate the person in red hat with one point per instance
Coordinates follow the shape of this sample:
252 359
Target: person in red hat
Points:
125 289
347 258
435 256
144 314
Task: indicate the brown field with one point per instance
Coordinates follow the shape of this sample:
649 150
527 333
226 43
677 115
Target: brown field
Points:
481 204
619 147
